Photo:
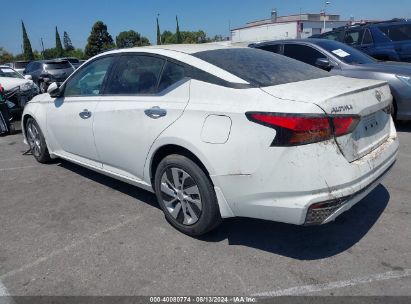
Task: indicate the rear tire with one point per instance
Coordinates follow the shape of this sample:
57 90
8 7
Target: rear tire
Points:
186 196
36 141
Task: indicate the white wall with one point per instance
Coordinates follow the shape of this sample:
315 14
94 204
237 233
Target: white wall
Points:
265 32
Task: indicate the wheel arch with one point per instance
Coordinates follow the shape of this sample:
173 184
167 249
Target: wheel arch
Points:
168 149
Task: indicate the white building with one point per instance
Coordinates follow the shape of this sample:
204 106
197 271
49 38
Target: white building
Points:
286 27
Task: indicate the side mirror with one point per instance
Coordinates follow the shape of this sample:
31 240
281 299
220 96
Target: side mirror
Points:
53 90
324 63
28 77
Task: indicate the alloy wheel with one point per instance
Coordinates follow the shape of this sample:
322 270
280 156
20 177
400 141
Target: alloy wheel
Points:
34 139
181 196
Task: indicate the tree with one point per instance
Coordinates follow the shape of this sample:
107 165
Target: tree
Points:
68 46
168 37
59 47
179 39
99 40
5 56
158 34
27 50
130 39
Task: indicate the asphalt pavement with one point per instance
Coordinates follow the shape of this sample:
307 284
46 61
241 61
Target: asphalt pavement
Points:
66 230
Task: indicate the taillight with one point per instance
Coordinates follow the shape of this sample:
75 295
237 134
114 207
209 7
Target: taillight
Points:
298 129
344 124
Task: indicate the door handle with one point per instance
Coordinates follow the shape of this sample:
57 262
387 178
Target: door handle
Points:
86 114
155 112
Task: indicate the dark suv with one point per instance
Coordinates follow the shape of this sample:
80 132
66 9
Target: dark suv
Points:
388 40
45 72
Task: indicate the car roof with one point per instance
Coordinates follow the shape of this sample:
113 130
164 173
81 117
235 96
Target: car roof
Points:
184 48
299 41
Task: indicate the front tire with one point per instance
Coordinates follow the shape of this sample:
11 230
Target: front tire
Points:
36 141
186 196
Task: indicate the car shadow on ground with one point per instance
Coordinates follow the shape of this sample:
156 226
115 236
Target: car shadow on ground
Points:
297 242
403 126
306 243
130 190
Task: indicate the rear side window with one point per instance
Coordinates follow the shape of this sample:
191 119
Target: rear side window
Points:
172 74
276 48
367 39
302 53
135 74
260 68
397 32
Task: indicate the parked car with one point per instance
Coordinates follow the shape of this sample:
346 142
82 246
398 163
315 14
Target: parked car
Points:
19 66
75 62
18 90
389 40
219 131
341 59
45 72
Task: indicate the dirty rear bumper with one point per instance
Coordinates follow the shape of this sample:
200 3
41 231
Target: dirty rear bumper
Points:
289 181
333 209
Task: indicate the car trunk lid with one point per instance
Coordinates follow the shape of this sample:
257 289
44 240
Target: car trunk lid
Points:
336 95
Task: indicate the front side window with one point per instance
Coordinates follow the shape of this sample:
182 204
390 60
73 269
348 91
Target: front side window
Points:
303 53
135 74
88 81
354 37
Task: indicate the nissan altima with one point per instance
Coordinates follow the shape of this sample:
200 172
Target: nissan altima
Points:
218 131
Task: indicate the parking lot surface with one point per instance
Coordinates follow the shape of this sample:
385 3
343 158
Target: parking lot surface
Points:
66 230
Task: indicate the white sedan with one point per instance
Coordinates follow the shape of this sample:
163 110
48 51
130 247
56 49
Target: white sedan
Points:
217 132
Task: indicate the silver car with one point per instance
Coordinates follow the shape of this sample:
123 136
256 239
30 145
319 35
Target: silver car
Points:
341 59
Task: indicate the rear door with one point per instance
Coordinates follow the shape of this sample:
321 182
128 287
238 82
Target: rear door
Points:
144 96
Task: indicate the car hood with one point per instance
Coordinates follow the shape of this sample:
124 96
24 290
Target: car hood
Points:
9 83
398 68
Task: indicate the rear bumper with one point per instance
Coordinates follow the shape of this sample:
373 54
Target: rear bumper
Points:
327 214
284 190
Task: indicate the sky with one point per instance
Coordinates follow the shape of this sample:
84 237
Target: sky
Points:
215 17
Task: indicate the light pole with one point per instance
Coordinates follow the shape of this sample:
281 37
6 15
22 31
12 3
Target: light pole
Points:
325 8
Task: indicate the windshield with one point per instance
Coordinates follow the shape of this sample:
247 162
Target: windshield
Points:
8 72
344 52
398 32
260 68
57 65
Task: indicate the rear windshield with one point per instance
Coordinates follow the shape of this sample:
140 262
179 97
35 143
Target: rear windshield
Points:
261 68
73 60
398 32
57 65
20 64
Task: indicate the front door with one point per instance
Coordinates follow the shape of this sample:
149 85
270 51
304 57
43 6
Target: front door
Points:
70 118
